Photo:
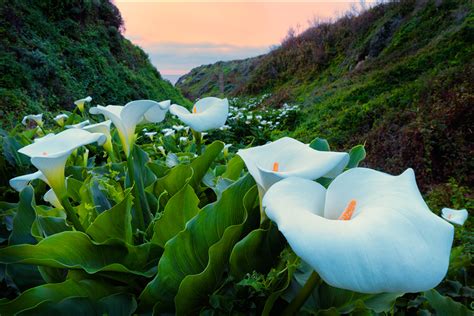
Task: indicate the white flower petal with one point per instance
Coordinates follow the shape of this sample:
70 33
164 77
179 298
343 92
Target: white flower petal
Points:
52 199
210 113
396 246
38 118
454 216
20 182
50 155
79 125
294 159
157 111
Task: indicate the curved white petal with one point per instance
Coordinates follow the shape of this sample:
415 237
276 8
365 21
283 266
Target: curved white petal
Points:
40 139
395 246
454 216
20 182
210 113
38 118
79 125
157 111
52 199
50 155
125 119
294 159
80 103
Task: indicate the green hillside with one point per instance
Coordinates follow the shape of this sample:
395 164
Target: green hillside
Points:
53 52
398 77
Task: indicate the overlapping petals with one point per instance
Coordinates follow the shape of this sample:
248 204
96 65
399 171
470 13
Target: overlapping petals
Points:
288 157
125 119
207 114
50 154
392 242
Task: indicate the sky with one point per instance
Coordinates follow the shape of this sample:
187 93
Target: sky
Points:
181 35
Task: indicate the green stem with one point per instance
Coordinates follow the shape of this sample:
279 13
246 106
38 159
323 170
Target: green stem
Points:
138 206
71 215
261 193
197 140
302 295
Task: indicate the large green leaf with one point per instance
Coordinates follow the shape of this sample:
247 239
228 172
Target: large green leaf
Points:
24 276
258 251
234 168
55 292
445 306
202 248
202 163
75 250
114 223
120 304
180 209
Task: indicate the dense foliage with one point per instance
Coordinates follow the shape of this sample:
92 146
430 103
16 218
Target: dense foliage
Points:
205 247
52 51
398 73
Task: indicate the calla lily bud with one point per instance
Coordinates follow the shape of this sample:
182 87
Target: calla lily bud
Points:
60 119
80 103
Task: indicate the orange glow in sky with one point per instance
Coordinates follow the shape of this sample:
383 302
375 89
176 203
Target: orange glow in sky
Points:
180 35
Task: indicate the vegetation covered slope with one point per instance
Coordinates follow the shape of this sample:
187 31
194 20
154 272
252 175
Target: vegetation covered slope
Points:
53 52
398 77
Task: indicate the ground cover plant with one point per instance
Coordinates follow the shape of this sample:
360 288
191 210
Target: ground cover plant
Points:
113 219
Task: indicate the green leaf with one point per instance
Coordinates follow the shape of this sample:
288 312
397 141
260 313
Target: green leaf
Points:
202 248
174 181
55 292
234 168
121 304
445 306
75 250
180 209
24 276
357 154
202 163
114 223
74 188
320 144
258 251
45 226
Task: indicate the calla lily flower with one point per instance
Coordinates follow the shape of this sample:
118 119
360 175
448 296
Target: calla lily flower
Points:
150 134
50 155
21 182
38 118
125 119
80 103
369 232
454 216
60 119
157 112
52 199
79 125
288 157
208 113
104 128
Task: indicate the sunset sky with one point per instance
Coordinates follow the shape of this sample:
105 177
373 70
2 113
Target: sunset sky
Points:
180 35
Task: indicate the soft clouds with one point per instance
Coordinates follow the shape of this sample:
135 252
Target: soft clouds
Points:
173 58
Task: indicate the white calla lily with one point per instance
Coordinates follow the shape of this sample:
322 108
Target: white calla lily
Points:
125 119
157 112
80 103
38 118
208 113
288 157
387 240
150 134
104 128
457 217
52 199
21 182
60 119
50 154
79 125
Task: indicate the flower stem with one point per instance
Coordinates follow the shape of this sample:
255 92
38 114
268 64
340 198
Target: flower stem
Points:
302 295
197 139
138 206
71 214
